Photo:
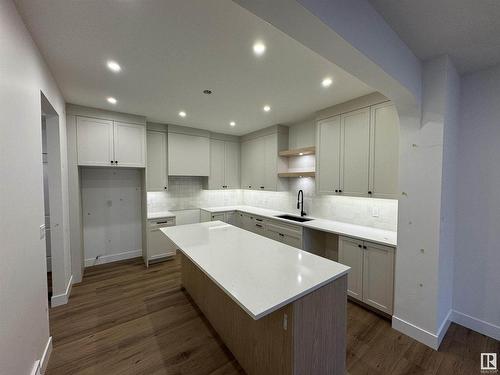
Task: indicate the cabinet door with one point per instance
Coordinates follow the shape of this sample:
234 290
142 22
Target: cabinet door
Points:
245 164
292 240
384 151
355 152
270 162
231 218
257 160
94 141
129 144
232 165
188 155
351 254
218 216
378 276
328 157
156 170
217 158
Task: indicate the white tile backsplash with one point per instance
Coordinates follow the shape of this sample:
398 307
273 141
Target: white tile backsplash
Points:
187 193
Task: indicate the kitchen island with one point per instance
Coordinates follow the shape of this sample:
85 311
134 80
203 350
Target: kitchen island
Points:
280 310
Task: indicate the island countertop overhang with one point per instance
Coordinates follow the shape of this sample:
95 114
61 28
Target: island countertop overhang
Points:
259 274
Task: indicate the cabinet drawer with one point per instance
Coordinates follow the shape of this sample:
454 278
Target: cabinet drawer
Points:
287 229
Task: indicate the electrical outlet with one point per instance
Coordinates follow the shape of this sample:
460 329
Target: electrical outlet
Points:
375 212
42 231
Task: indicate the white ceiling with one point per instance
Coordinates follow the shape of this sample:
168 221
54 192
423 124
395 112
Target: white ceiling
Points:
467 30
171 50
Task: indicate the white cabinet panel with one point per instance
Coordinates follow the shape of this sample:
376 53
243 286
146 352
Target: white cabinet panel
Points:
378 276
217 164
156 171
328 158
270 171
245 164
188 155
218 216
232 165
129 144
355 152
384 151
224 165
94 141
351 254
257 160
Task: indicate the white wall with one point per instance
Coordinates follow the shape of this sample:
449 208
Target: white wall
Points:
477 257
111 207
423 262
24 330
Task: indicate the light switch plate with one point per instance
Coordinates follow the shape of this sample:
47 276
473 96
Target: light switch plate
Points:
42 231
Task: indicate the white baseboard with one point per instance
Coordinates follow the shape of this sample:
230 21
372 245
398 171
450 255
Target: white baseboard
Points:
62 299
44 361
477 325
425 337
443 328
113 258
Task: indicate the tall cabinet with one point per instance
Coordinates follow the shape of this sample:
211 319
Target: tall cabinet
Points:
260 160
358 153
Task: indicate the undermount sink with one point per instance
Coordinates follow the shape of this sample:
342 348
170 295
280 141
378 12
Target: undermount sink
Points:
293 218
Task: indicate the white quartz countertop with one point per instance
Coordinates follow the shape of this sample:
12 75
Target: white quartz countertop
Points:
160 215
259 274
380 236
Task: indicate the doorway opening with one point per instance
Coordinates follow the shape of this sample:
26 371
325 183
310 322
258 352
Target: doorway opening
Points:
52 197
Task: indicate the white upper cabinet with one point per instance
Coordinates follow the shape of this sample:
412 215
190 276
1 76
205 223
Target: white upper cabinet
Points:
260 160
224 165
130 144
328 156
358 153
188 155
384 151
355 152
232 165
110 143
270 169
156 171
217 164
94 141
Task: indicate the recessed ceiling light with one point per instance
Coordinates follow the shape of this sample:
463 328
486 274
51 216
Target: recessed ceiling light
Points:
266 108
326 82
259 48
301 153
182 114
112 100
232 123
114 66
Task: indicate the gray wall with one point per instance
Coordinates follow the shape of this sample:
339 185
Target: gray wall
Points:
477 257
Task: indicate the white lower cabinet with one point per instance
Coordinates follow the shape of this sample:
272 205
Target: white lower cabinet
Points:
158 245
286 233
371 279
351 254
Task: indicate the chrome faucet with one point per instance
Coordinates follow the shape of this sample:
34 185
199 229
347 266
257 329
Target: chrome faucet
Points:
300 203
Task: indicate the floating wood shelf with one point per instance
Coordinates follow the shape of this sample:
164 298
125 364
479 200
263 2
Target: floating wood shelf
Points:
297 174
299 151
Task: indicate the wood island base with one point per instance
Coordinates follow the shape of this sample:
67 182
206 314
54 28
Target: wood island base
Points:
304 337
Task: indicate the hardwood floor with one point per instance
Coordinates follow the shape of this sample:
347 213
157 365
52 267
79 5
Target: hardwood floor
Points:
125 319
